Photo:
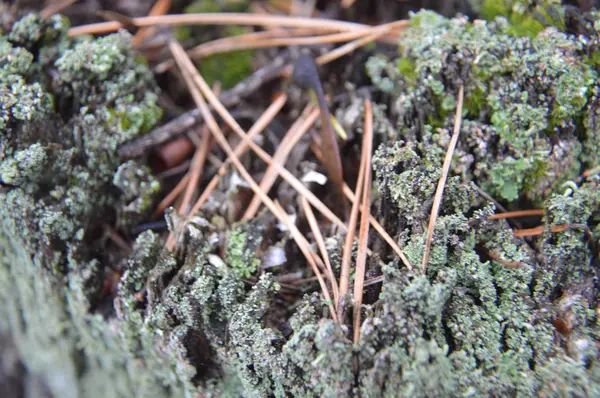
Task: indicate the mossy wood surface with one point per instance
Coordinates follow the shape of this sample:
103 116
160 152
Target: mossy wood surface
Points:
472 326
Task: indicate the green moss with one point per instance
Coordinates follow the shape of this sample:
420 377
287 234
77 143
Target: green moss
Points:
228 69
204 6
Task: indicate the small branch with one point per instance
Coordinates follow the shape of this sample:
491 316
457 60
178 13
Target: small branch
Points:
442 182
55 8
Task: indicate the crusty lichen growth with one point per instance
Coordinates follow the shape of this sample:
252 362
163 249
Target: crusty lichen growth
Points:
481 322
524 99
490 326
65 109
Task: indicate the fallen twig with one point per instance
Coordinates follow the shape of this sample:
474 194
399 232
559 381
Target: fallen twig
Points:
55 8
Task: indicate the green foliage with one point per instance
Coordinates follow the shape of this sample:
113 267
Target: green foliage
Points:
406 68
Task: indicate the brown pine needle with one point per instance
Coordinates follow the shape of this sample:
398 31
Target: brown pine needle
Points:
170 198
277 211
244 19
226 116
233 43
241 148
374 34
310 256
348 3
380 230
125 21
520 233
55 8
374 223
161 7
363 236
437 200
515 214
498 258
349 240
314 227
195 172
288 143
266 39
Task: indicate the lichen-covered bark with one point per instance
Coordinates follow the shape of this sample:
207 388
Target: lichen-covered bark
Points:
96 322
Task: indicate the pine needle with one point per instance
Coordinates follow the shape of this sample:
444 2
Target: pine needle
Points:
375 33
161 7
196 169
244 19
226 116
277 211
170 198
349 240
516 214
437 200
380 230
288 143
521 233
363 235
310 256
314 227
240 149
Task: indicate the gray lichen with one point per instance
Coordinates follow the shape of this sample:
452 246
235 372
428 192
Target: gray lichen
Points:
495 315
